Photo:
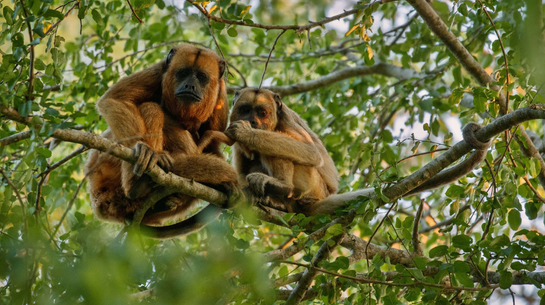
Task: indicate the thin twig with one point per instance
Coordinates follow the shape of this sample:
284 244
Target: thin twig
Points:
54 166
504 56
296 28
372 281
416 242
308 276
31 68
19 197
58 22
134 12
70 204
147 49
269 58
217 45
533 189
37 204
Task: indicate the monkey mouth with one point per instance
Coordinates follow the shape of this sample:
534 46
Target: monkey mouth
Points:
189 97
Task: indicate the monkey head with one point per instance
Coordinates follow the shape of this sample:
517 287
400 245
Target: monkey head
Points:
260 107
192 81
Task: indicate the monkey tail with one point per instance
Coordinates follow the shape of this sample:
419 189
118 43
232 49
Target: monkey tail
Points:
185 227
462 169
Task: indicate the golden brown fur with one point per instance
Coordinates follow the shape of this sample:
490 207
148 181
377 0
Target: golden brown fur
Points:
276 154
162 112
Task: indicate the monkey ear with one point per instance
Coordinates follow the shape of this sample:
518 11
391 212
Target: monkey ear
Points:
235 98
170 56
278 101
221 65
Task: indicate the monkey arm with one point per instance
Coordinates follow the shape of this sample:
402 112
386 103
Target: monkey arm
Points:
119 105
275 144
211 136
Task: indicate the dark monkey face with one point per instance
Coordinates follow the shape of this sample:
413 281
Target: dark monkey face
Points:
259 107
192 82
191 70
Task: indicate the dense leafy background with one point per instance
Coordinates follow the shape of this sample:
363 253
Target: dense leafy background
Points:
368 123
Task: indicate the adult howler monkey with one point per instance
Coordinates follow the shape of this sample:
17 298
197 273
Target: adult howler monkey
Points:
162 112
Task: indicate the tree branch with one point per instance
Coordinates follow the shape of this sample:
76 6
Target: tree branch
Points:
323 252
282 254
134 12
183 185
379 68
396 191
440 29
296 28
416 242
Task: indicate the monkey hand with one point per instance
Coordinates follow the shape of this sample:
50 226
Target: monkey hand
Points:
239 130
257 183
146 157
234 194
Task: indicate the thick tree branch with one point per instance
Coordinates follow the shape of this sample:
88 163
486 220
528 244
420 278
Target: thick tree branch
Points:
440 29
398 190
94 141
358 246
302 286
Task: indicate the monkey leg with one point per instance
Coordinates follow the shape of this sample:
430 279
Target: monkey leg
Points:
209 170
148 153
281 172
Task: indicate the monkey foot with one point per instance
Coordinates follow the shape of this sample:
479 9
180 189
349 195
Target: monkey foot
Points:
146 157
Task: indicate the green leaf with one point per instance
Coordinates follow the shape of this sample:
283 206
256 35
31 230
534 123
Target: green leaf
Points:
514 219
420 262
335 229
531 210
96 16
53 14
18 54
39 29
464 279
462 241
438 251
506 279
43 151
232 32
460 266
455 191
8 12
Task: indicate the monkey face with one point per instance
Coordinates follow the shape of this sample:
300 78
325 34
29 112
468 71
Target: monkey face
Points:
260 107
191 81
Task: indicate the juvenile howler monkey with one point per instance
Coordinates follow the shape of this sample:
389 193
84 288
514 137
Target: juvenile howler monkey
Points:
162 112
276 154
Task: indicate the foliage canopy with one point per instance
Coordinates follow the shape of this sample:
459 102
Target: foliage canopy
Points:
383 86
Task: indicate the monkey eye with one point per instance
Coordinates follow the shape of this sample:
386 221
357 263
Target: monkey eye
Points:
244 110
262 113
183 73
202 77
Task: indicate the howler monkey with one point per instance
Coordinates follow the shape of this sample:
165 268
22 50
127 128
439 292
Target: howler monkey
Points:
161 113
276 153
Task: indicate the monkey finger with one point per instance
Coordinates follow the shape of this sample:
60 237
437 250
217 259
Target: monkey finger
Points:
143 162
137 151
165 161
